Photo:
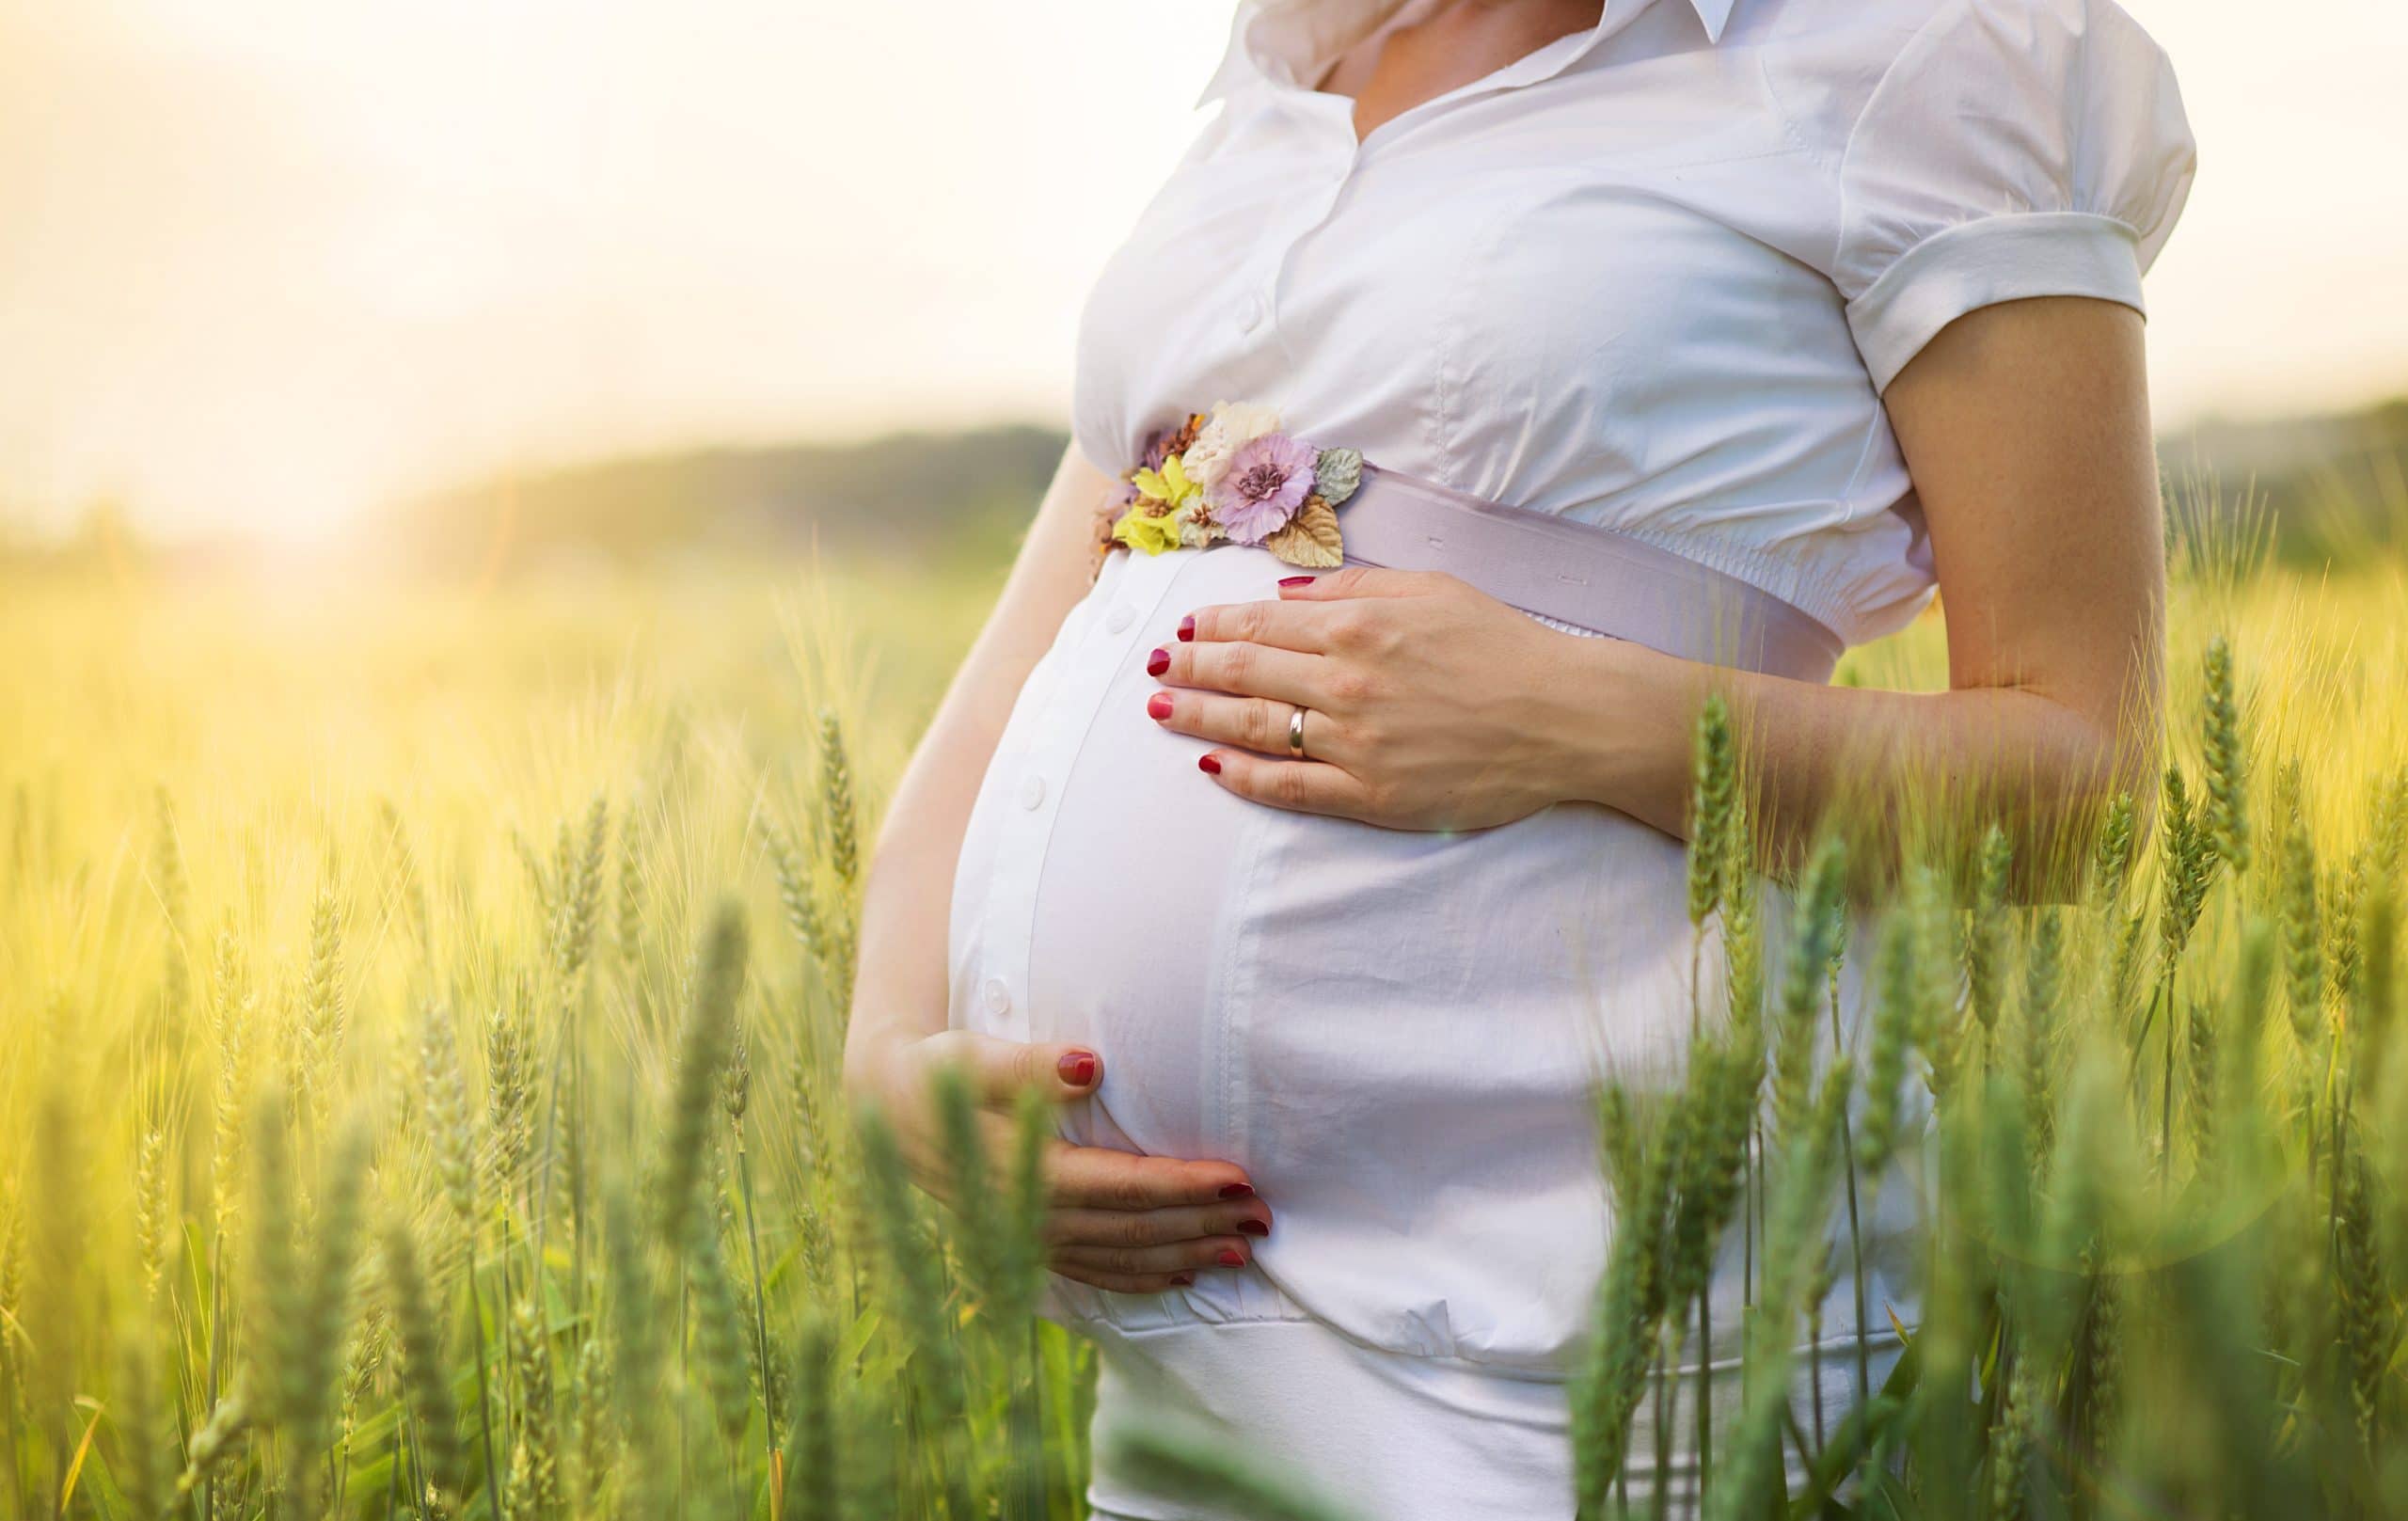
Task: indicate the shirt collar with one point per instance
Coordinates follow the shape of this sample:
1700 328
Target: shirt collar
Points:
1278 39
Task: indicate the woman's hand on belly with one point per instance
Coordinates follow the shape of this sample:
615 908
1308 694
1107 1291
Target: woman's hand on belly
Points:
1118 1221
1427 704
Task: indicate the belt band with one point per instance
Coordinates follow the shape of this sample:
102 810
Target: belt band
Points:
1587 577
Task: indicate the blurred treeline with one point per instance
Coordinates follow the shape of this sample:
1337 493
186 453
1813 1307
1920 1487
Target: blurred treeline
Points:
963 495
2331 488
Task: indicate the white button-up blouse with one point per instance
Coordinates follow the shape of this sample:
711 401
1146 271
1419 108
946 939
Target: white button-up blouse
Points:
1653 275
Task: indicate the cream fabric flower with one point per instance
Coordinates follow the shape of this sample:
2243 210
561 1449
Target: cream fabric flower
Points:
1233 425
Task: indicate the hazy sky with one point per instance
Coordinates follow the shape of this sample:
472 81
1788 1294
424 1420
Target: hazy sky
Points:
266 261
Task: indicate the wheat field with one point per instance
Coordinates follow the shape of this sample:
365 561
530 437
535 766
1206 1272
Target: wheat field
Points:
421 1012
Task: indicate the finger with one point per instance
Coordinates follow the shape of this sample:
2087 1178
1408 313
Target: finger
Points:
1243 669
1119 1283
999 1068
944 1171
1257 723
1359 580
1178 1256
1154 1228
1306 786
1098 1178
1288 626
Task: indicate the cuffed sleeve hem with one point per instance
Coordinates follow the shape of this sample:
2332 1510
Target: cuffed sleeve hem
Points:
1978 264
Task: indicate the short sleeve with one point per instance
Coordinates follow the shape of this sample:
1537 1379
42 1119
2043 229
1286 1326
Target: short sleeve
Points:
2013 149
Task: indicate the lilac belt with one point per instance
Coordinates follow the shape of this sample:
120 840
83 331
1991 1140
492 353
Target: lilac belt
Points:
1587 577
1231 474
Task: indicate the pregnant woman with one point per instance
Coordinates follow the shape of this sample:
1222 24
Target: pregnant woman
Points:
1314 852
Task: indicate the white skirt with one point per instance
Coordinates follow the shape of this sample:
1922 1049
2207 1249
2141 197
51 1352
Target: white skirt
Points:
1378 1434
1388 1437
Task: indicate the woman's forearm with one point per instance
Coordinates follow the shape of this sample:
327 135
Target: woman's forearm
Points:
900 992
2036 762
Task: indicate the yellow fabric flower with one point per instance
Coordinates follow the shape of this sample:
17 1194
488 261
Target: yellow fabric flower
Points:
1169 484
1140 529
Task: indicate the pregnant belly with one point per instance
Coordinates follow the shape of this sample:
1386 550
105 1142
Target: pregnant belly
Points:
1396 1034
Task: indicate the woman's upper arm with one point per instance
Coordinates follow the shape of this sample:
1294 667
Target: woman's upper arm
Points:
2025 428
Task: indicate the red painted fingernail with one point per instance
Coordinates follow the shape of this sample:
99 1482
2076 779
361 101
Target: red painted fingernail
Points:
1184 1279
1208 765
1295 581
1187 631
1077 1067
1254 1227
1232 1257
1237 1190
1158 706
1157 663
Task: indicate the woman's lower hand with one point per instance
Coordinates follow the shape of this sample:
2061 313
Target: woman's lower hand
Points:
1427 704
1115 1220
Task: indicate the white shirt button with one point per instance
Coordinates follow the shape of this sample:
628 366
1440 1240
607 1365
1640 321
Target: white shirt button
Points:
999 998
1120 618
1032 793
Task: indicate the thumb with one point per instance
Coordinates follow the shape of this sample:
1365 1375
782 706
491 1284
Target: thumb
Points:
998 1070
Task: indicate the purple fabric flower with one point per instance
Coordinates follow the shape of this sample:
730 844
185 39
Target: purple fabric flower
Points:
1268 478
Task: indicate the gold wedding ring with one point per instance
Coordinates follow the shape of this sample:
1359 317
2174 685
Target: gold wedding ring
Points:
1296 734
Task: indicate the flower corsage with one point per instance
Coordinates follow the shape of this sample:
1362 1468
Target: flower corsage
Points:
1231 474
